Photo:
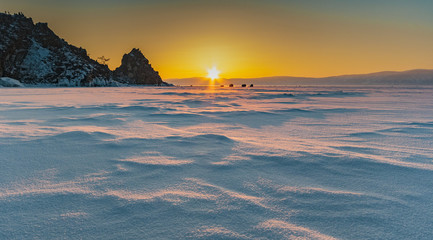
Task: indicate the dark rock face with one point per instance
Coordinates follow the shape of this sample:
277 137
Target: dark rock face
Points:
34 54
135 69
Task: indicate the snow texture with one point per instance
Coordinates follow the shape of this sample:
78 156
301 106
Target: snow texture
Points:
10 82
216 163
37 61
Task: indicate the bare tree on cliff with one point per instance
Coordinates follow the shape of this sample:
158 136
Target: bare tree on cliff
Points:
102 60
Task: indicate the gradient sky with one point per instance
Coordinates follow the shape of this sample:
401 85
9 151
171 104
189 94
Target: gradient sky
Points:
246 38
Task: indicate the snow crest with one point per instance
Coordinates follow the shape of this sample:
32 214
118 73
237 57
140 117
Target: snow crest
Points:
216 163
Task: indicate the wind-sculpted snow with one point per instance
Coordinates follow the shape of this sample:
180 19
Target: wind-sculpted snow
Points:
216 163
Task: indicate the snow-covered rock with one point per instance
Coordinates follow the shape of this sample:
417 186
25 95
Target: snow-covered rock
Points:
36 55
10 82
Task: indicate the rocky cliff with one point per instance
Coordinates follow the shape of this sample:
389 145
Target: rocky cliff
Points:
33 54
135 69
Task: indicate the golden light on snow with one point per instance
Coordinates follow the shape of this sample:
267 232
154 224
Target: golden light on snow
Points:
213 73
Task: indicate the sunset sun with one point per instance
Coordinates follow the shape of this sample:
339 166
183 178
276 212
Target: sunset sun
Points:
213 73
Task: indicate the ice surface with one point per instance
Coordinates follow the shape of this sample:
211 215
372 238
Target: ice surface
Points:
216 163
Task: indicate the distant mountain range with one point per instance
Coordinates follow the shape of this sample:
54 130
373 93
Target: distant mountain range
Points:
411 77
34 55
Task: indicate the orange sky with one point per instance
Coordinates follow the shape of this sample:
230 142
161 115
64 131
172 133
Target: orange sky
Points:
182 38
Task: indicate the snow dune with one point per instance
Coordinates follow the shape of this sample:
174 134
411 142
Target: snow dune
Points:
216 163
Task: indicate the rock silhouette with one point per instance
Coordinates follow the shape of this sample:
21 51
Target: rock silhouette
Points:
135 69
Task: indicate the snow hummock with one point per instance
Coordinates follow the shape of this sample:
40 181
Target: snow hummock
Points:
10 82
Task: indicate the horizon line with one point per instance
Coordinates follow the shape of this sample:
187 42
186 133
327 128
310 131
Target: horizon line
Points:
277 76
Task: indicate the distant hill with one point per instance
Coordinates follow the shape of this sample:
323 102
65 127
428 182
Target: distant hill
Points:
412 77
33 54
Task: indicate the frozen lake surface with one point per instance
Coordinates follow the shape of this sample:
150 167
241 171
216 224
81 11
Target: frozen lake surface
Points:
216 163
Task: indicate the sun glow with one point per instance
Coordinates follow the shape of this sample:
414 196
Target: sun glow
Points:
213 73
